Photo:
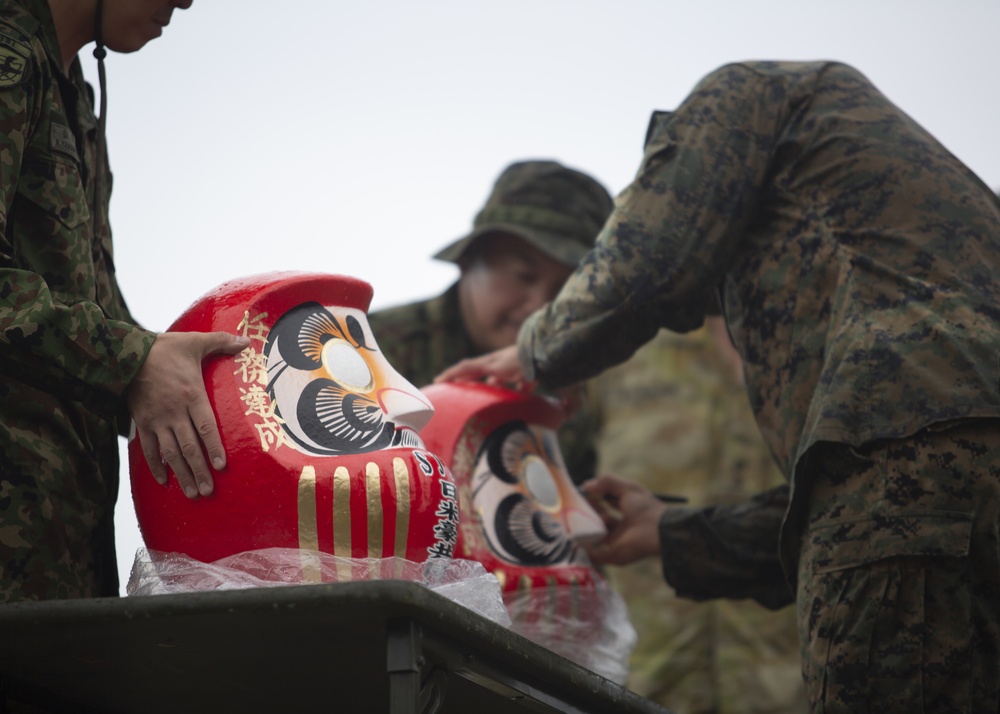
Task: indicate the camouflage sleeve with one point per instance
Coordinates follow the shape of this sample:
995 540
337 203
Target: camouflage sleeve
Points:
71 349
666 246
727 551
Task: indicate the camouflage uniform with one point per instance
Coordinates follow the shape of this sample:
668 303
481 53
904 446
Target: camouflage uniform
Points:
858 267
675 417
556 209
68 346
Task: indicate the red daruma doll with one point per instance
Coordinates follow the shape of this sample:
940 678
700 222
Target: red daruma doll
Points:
320 432
524 520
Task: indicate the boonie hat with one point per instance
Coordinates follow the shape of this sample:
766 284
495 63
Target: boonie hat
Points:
557 209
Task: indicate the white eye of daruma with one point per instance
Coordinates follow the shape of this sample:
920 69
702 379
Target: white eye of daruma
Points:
538 479
345 365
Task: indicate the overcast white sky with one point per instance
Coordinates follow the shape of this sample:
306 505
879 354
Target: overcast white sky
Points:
358 138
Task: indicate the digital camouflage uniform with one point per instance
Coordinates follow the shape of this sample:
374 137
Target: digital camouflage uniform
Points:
558 210
68 346
675 417
858 265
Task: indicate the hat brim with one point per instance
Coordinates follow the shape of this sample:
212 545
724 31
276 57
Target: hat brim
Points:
558 247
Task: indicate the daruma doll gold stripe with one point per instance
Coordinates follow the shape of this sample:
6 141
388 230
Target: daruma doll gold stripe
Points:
373 491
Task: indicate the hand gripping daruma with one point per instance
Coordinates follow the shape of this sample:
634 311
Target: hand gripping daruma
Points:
320 432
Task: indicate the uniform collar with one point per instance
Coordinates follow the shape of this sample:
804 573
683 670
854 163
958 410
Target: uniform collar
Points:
45 28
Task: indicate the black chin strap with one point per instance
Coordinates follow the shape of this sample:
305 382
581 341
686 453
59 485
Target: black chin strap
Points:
100 53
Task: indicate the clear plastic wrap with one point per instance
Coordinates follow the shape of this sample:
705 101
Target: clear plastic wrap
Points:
465 582
588 626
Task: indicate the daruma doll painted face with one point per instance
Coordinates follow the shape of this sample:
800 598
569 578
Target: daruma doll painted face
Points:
321 434
522 517
525 521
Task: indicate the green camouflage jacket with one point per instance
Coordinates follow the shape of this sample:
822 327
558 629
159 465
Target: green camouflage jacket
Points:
857 262
675 417
68 346
423 338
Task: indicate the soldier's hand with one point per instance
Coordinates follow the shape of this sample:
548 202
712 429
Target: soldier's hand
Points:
500 367
170 407
631 513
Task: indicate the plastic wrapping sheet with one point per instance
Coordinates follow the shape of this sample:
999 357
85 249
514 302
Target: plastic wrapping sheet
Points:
465 582
588 626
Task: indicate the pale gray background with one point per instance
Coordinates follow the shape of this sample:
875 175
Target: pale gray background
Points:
357 138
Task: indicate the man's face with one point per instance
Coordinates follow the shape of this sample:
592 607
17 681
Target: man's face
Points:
506 280
129 24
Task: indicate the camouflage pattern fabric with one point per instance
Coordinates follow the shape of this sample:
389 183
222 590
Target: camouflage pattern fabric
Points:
728 550
676 418
68 346
556 209
857 263
900 571
859 260
422 338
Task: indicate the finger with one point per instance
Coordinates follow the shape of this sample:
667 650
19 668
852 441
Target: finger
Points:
204 422
194 458
607 506
603 487
608 513
222 343
463 371
172 454
151 451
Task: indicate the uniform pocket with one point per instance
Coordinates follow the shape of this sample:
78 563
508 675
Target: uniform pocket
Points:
847 544
894 635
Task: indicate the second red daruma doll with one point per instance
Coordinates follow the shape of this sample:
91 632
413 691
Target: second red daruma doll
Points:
524 520
321 435
524 517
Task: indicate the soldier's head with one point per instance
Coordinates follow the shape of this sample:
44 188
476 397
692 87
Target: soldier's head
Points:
123 25
540 219
127 25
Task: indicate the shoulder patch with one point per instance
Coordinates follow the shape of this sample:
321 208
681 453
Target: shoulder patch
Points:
14 56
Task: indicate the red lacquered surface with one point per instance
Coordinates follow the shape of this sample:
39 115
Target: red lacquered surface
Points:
288 487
